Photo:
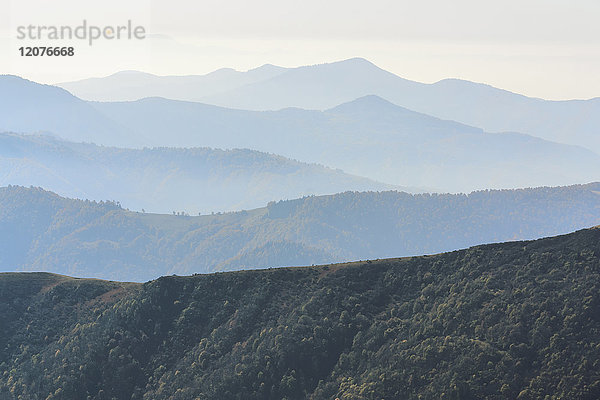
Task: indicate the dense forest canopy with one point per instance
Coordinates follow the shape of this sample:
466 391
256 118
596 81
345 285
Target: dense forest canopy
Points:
516 320
40 231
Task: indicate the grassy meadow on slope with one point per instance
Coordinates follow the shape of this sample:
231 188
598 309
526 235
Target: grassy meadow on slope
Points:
41 231
513 320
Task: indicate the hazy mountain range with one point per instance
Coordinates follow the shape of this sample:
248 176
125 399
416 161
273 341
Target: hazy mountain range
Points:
29 107
40 231
367 137
134 85
327 85
167 179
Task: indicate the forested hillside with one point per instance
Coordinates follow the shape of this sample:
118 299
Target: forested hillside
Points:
41 231
167 179
515 320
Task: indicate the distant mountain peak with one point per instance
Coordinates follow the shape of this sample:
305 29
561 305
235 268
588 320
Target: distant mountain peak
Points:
373 99
128 74
132 72
16 78
356 60
267 67
22 84
221 71
369 102
357 65
462 84
10 76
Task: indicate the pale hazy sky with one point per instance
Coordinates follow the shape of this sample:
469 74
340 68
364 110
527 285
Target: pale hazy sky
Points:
542 48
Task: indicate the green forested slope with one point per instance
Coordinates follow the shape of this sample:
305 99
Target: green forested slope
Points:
512 320
40 231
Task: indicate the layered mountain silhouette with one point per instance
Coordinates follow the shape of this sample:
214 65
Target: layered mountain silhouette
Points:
209 166
30 107
40 231
134 85
167 179
326 85
368 137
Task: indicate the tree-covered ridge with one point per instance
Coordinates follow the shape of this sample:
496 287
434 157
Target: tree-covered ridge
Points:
43 232
50 302
164 179
511 320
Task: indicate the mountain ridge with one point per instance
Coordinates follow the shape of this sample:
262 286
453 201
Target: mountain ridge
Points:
508 320
164 179
42 231
374 138
324 86
379 141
